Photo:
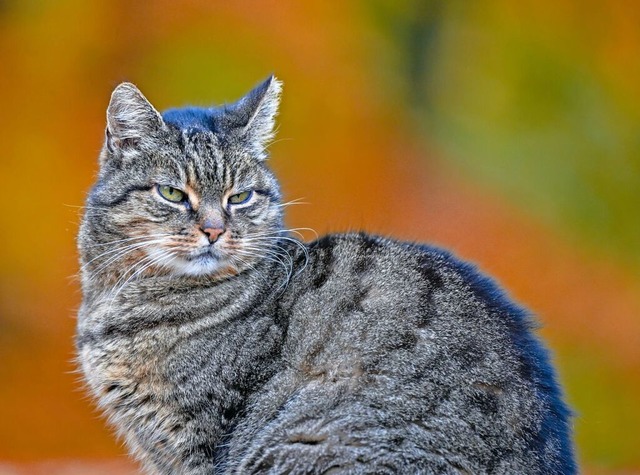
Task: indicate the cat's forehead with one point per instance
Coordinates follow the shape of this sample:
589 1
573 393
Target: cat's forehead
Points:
195 119
206 159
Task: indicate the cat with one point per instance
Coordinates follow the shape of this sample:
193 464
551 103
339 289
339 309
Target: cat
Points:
216 342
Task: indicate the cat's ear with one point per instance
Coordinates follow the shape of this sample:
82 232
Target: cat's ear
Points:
131 118
253 116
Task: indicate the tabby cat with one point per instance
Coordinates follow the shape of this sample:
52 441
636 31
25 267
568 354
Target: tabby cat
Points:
217 342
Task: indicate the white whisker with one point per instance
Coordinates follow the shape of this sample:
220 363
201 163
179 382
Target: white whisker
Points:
117 241
253 255
258 238
297 201
143 265
119 253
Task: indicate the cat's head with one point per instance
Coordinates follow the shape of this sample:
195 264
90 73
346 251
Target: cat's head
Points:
185 192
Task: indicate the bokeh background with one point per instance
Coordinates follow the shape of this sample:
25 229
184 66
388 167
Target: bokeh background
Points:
506 131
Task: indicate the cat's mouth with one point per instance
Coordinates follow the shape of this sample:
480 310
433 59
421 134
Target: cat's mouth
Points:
207 260
205 254
207 257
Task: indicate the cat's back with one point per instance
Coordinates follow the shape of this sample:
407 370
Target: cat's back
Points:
394 350
387 295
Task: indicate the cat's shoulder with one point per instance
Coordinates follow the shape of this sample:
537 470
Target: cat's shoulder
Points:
351 245
361 252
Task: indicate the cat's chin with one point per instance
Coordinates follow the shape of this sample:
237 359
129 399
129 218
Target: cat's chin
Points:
203 264
199 266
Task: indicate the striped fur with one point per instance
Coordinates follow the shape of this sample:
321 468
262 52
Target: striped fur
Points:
258 353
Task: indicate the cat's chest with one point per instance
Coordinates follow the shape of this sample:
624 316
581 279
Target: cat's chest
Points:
159 352
127 365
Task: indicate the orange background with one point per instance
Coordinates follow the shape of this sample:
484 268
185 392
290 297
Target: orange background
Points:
506 131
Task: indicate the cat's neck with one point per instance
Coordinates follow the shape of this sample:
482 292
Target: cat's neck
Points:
179 302
159 285
265 277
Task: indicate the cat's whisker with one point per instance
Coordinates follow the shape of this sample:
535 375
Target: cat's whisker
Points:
301 246
284 139
86 206
119 252
259 254
281 232
118 241
143 265
126 272
237 259
245 263
275 253
275 256
271 249
297 201
119 249
266 238
287 271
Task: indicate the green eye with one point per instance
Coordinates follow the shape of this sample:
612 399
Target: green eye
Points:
170 193
240 198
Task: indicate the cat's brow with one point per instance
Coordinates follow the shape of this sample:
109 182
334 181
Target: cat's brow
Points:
192 180
194 198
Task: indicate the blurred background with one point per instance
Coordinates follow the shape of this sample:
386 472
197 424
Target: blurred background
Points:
506 131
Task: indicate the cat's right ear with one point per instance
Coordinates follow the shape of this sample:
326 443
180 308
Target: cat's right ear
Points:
252 118
131 119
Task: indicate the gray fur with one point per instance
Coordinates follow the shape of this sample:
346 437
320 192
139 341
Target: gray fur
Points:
351 354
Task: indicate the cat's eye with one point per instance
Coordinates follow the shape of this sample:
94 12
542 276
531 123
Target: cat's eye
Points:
240 198
172 194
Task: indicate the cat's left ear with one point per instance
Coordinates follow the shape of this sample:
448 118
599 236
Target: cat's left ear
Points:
252 118
131 119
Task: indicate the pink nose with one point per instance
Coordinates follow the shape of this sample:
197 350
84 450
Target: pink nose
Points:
213 233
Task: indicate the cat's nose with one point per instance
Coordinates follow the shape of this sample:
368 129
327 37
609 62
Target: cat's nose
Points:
213 233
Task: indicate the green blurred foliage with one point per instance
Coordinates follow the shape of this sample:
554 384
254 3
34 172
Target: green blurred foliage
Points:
519 95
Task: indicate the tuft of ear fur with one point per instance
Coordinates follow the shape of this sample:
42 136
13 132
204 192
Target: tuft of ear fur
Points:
253 116
130 118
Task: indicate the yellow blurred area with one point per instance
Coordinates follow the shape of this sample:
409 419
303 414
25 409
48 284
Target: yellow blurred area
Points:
351 144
